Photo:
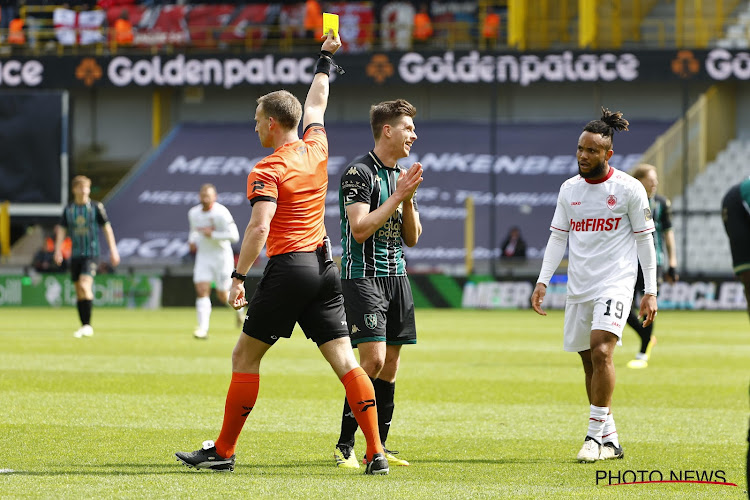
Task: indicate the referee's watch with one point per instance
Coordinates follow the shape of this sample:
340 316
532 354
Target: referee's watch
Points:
239 276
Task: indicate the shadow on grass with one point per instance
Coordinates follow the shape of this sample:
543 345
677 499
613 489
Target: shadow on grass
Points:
310 468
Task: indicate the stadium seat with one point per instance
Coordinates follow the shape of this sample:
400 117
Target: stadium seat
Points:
205 22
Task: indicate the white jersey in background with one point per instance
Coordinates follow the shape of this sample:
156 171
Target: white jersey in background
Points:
601 219
224 230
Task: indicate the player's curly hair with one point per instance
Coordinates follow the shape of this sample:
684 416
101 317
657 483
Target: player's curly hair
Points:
607 124
388 112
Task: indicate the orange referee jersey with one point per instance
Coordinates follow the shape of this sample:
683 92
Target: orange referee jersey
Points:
295 177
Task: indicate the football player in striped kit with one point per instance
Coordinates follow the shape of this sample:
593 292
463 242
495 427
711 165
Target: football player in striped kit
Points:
378 210
81 219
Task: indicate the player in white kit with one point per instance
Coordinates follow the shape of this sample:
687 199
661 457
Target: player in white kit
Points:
604 215
212 232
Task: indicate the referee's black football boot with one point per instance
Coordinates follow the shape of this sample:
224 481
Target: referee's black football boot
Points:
206 458
378 464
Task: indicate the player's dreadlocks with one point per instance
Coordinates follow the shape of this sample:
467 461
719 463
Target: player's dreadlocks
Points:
607 124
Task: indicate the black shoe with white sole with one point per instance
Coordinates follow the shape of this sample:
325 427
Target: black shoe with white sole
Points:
206 458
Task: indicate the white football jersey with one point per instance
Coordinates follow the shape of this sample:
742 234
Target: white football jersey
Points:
601 219
224 229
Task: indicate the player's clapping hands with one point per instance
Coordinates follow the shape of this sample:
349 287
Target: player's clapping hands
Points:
409 181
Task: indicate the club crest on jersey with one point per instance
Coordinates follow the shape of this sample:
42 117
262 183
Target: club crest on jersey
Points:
647 213
611 201
371 321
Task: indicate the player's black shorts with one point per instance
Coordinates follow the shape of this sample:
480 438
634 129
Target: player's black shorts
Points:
380 310
297 287
82 265
737 225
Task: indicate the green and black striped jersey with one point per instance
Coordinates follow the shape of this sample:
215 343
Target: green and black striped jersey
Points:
661 212
367 180
82 223
745 193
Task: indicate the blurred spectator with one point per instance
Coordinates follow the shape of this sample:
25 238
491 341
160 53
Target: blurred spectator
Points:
16 35
490 29
8 12
422 26
123 29
44 261
313 19
514 247
396 23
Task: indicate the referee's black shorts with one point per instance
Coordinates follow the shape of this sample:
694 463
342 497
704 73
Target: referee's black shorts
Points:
297 287
380 310
737 225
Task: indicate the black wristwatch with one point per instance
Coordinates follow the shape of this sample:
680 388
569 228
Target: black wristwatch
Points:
239 276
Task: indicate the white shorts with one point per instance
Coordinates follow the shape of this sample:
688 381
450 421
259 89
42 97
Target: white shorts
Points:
216 268
608 313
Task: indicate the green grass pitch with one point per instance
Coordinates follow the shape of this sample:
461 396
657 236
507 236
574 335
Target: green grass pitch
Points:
487 406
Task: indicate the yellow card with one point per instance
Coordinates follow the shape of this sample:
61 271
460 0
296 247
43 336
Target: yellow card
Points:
330 22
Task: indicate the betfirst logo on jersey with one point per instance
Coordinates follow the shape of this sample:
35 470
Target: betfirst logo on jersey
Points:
610 224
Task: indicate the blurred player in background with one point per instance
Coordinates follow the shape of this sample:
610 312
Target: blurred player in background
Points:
212 232
735 211
81 219
301 283
378 212
605 215
661 212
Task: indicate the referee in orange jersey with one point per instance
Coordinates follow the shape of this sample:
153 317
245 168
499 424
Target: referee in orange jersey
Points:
300 284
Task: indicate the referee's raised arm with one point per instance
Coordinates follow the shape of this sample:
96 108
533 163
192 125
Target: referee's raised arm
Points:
317 97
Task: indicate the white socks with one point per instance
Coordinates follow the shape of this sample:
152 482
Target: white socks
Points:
597 420
203 310
610 432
